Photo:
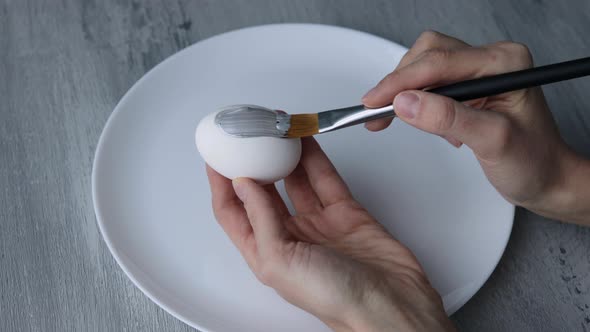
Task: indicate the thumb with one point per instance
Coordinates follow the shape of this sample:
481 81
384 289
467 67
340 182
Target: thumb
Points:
264 216
486 132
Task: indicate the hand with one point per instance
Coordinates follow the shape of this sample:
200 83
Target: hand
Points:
512 135
332 258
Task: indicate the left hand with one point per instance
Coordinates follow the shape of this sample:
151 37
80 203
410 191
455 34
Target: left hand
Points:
332 258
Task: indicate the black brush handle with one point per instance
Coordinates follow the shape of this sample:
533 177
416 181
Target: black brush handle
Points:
522 79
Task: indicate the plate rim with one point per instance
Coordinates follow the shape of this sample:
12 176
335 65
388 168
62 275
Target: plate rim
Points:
100 220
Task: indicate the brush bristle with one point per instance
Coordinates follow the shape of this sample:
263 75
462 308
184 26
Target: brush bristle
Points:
303 125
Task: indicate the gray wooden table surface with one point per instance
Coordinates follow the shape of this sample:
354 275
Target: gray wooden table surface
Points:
65 64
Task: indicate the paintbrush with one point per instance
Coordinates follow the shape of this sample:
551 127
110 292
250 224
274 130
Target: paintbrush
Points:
253 120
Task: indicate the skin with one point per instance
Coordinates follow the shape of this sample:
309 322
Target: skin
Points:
513 135
334 260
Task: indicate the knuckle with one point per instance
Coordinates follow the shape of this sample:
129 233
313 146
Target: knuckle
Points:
218 208
513 53
428 38
266 272
389 79
436 58
502 44
445 117
217 213
412 278
380 124
407 58
251 212
519 49
521 54
502 134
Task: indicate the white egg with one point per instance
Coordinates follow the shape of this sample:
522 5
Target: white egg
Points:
263 159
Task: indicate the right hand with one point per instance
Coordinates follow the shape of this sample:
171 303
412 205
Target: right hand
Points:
513 135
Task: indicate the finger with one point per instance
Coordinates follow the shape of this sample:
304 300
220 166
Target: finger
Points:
295 230
301 192
222 193
378 125
426 41
453 141
487 133
439 67
231 215
278 202
323 177
264 216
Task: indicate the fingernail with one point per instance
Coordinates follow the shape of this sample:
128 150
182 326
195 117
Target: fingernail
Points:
239 188
406 105
370 94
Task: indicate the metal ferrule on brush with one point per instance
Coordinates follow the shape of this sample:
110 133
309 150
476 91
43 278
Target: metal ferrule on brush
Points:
350 116
254 121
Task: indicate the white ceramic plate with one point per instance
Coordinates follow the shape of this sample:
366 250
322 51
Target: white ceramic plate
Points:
152 199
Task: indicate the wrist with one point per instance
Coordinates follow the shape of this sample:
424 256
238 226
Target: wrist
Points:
406 310
567 200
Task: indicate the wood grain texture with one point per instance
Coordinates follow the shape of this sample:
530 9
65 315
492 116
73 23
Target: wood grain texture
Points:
65 64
